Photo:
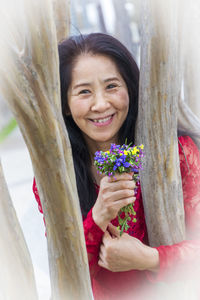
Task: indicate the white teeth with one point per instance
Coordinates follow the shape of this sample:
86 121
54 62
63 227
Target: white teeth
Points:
102 120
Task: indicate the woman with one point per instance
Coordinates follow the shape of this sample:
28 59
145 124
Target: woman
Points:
99 92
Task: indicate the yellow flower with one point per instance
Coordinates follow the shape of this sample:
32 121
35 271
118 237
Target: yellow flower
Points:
142 146
134 151
107 152
125 152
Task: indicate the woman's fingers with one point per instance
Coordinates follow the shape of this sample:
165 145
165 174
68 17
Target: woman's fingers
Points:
122 176
114 194
106 237
121 185
121 195
105 241
103 264
121 203
113 230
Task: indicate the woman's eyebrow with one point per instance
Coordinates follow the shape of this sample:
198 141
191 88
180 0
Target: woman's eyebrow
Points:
81 85
111 79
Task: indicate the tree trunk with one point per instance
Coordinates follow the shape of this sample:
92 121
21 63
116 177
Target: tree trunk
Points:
191 44
16 276
102 24
30 84
188 122
189 104
61 10
160 85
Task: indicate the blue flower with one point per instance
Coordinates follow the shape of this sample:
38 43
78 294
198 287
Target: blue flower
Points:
134 170
126 164
118 163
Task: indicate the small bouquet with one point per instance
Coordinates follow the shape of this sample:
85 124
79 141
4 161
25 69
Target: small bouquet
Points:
120 159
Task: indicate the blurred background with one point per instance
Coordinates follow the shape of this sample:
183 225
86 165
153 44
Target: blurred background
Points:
119 18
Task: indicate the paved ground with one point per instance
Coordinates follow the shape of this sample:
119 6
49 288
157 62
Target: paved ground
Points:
19 176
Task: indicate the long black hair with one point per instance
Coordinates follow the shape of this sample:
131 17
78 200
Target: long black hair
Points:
69 50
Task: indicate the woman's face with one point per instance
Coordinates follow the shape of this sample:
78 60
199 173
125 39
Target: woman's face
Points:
98 98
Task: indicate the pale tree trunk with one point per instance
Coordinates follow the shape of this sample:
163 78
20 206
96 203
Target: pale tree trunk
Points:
16 275
61 10
189 103
160 85
102 24
188 122
30 84
191 44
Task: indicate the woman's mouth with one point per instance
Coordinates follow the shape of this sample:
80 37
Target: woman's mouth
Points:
103 121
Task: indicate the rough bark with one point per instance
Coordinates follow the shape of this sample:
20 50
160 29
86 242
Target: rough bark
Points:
16 276
30 83
160 85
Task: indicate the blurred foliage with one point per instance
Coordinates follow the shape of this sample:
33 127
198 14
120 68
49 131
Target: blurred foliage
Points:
6 130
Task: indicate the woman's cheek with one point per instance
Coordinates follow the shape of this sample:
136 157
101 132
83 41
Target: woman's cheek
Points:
80 108
123 99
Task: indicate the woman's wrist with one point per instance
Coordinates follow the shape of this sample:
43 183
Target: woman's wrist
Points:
145 258
153 260
99 221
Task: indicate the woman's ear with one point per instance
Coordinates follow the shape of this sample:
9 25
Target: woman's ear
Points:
67 112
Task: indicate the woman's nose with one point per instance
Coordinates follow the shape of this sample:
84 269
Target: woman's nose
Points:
100 102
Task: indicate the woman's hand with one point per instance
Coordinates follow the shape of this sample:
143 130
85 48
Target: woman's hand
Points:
125 253
114 193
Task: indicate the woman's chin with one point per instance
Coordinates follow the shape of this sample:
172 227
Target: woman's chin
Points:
103 139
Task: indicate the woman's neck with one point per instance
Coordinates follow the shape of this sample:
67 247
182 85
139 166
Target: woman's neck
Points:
94 146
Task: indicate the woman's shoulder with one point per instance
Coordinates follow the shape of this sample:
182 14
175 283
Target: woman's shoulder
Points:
187 146
186 141
189 154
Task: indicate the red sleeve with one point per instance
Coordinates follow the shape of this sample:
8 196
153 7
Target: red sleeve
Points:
185 255
93 238
36 194
93 235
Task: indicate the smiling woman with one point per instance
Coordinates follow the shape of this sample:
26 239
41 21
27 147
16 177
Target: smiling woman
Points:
104 68
98 101
99 93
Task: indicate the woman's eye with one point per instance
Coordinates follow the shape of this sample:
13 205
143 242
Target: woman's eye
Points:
111 86
84 92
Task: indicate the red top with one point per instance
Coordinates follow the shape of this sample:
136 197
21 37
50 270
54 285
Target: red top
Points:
134 284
